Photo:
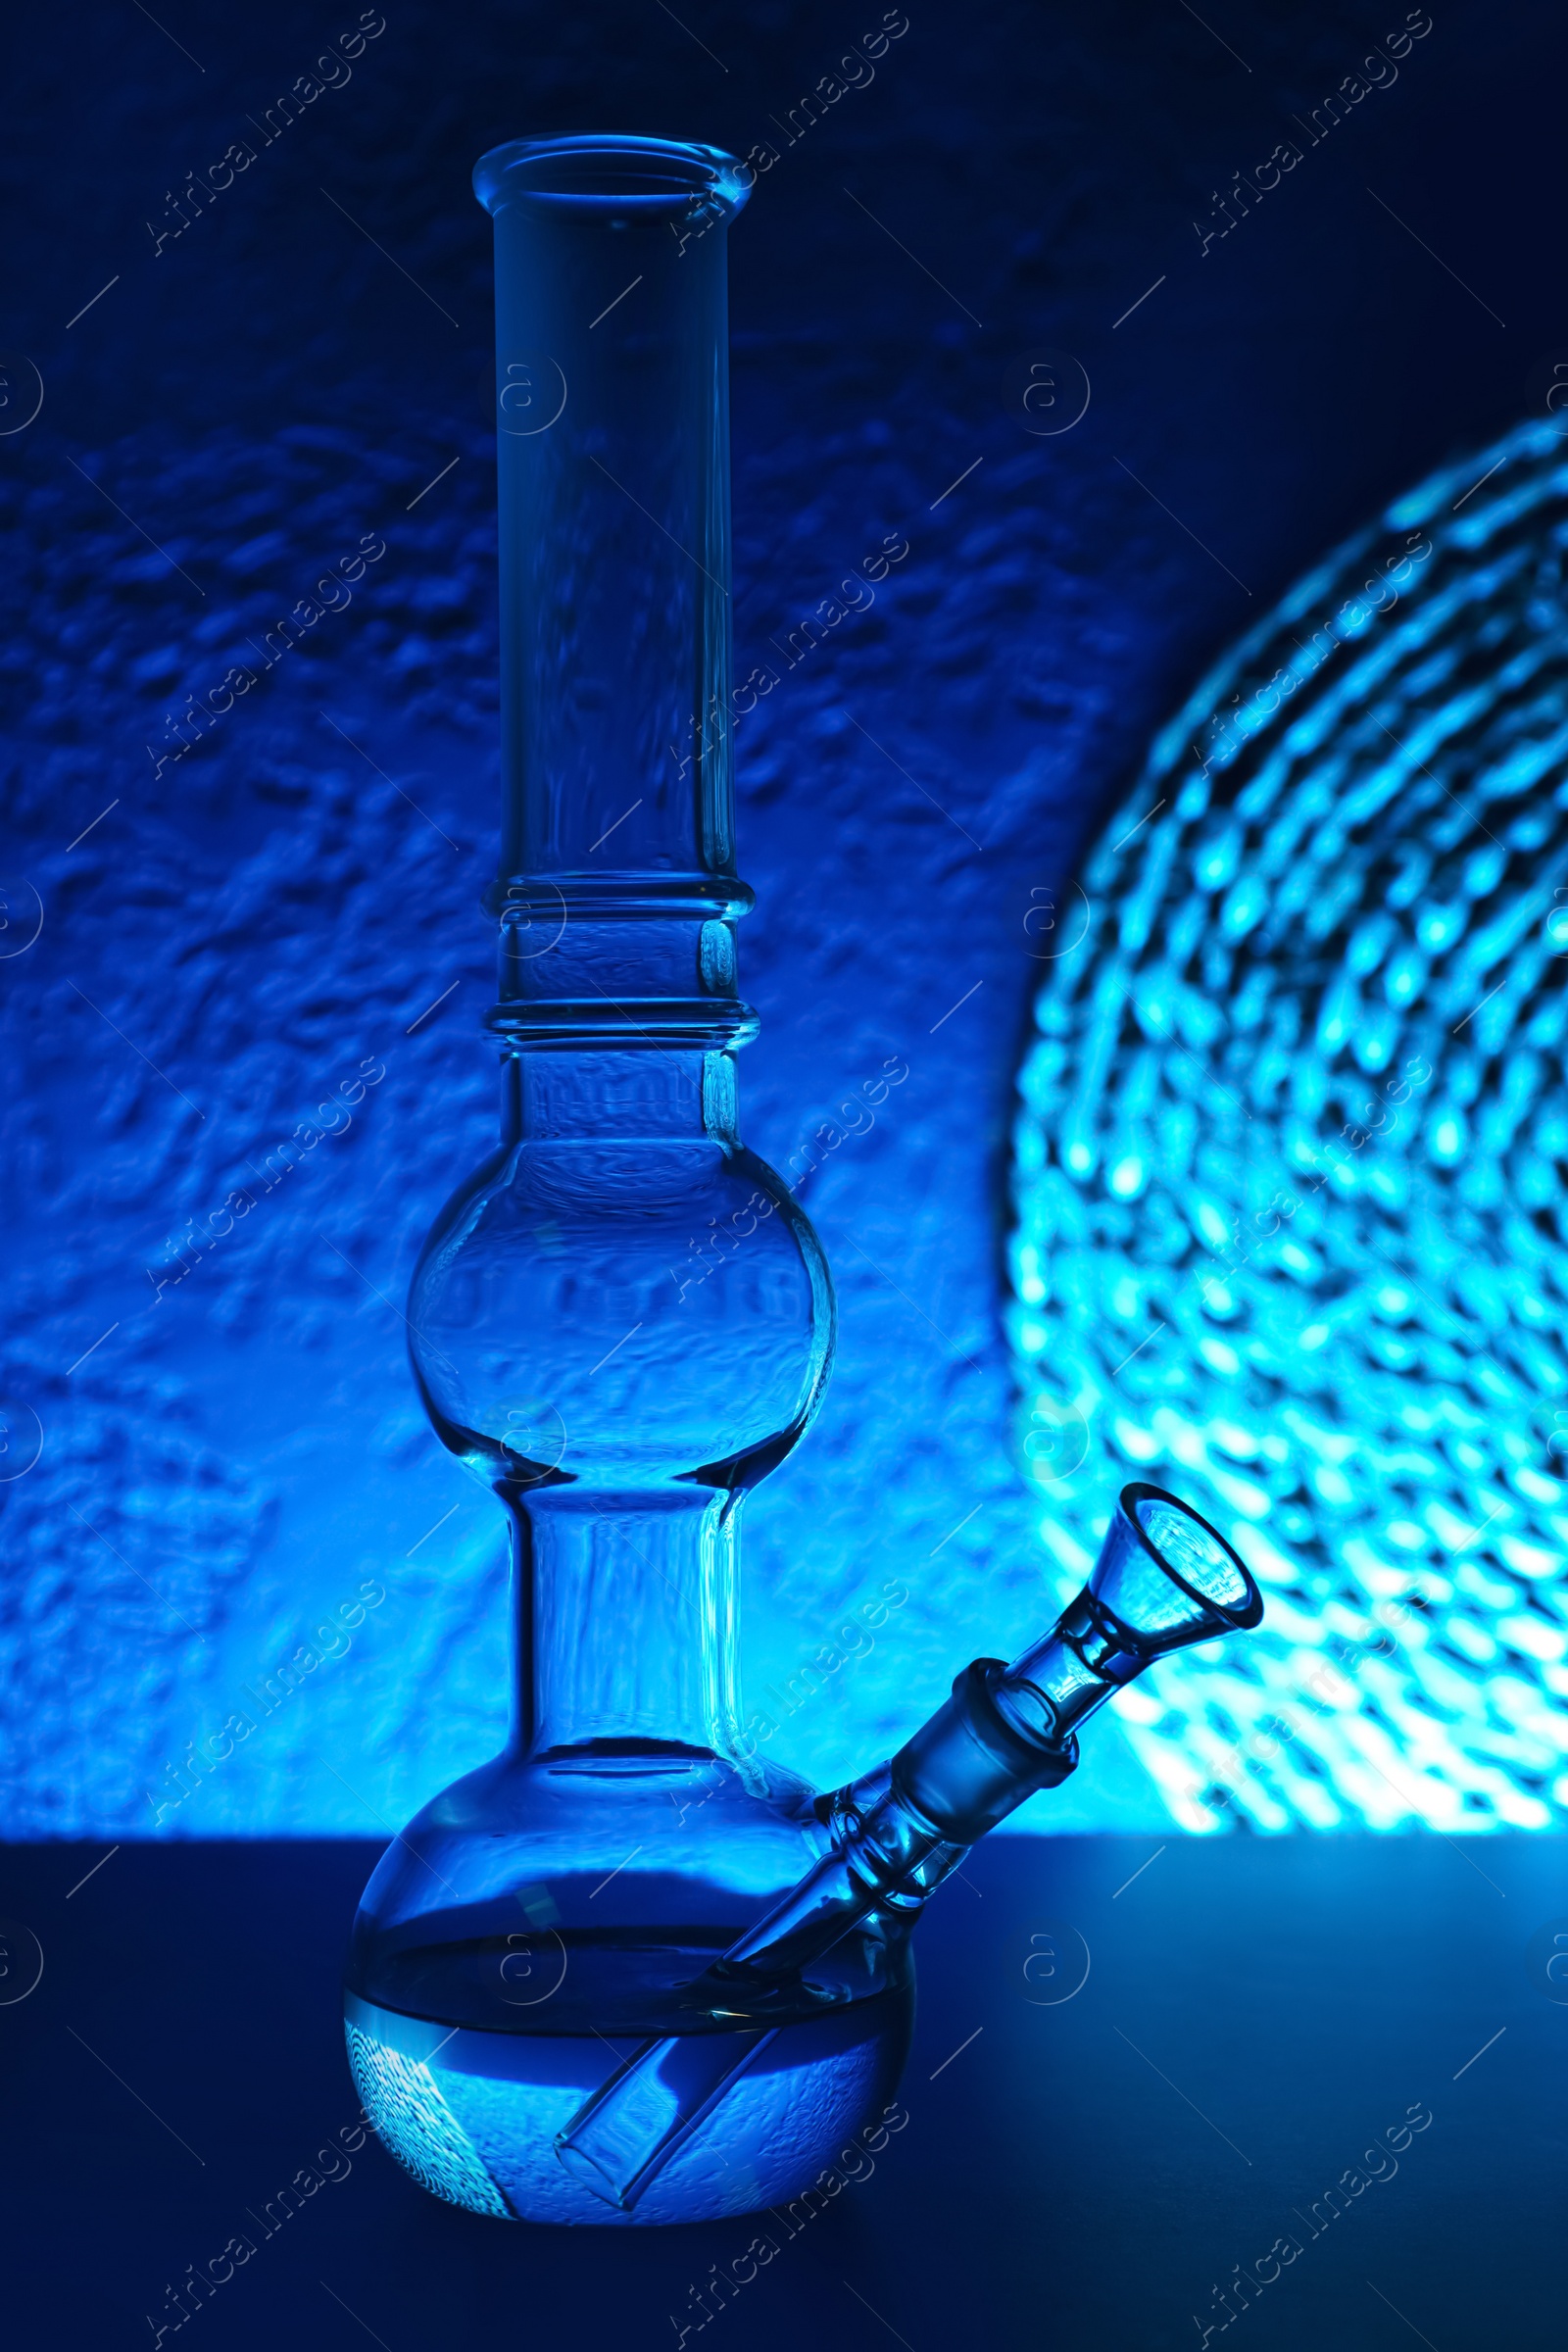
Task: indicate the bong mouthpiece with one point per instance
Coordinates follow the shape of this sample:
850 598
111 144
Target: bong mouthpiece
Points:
1165 1579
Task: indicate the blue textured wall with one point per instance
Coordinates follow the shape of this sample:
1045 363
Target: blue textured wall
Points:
228 939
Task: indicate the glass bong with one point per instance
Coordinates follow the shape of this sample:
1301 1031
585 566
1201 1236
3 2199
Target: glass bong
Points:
630 1971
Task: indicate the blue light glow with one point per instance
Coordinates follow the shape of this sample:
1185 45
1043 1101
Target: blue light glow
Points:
1289 1180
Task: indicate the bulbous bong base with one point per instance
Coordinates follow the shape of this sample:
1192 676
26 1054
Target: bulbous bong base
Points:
542 1918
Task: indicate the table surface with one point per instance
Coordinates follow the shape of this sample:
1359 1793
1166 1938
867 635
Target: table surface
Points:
1071 2172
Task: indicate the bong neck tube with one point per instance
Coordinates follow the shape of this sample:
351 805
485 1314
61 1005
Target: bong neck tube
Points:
617 886
624 1634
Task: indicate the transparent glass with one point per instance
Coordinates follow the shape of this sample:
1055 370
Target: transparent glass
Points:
902 1827
622 1321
